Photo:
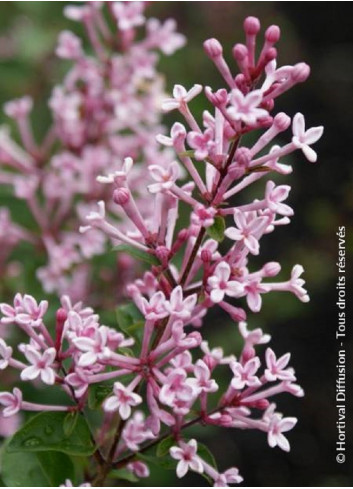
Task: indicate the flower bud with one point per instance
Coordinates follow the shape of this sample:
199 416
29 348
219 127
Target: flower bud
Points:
162 253
300 72
213 48
206 256
240 52
251 26
272 34
262 404
281 121
271 269
243 156
121 196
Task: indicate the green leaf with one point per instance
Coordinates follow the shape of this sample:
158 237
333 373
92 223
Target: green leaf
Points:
166 462
123 475
216 231
164 446
137 253
70 422
130 321
41 469
97 394
206 455
45 431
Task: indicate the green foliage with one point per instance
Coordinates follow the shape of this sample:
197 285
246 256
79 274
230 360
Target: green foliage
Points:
164 446
130 321
216 231
97 394
123 475
46 431
40 469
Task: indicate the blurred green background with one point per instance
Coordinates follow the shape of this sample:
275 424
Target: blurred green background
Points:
322 35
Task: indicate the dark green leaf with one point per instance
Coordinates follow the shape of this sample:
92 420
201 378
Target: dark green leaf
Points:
216 231
97 394
45 431
70 422
41 469
138 254
166 462
164 446
123 475
206 455
130 321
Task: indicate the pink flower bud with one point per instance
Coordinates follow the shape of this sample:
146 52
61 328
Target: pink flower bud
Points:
240 82
270 54
281 121
271 269
252 26
240 52
121 196
248 354
300 72
268 105
262 404
243 157
162 253
219 98
272 34
213 48
206 255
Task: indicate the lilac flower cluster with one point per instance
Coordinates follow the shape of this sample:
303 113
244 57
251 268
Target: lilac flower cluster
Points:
107 108
169 380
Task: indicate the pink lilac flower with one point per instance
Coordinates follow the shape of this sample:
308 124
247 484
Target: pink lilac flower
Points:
42 365
248 227
303 139
178 306
220 284
244 374
277 427
245 108
180 96
5 354
12 402
276 367
186 454
122 400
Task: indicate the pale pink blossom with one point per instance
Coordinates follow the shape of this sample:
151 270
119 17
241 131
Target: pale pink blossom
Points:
135 432
122 400
5 354
94 348
164 177
245 108
275 196
244 375
129 14
303 139
154 309
178 306
230 476
180 97
186 454
221 285
12 402
248 230
42 365
276 367
277 427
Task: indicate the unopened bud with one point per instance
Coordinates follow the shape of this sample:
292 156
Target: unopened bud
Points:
251 25
121 196
213 48
262 404
272 34
281 121
240 52
162 253
206 256
300 72
271 269
243 156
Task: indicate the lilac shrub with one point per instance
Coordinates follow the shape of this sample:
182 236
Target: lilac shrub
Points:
156 376
107 108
